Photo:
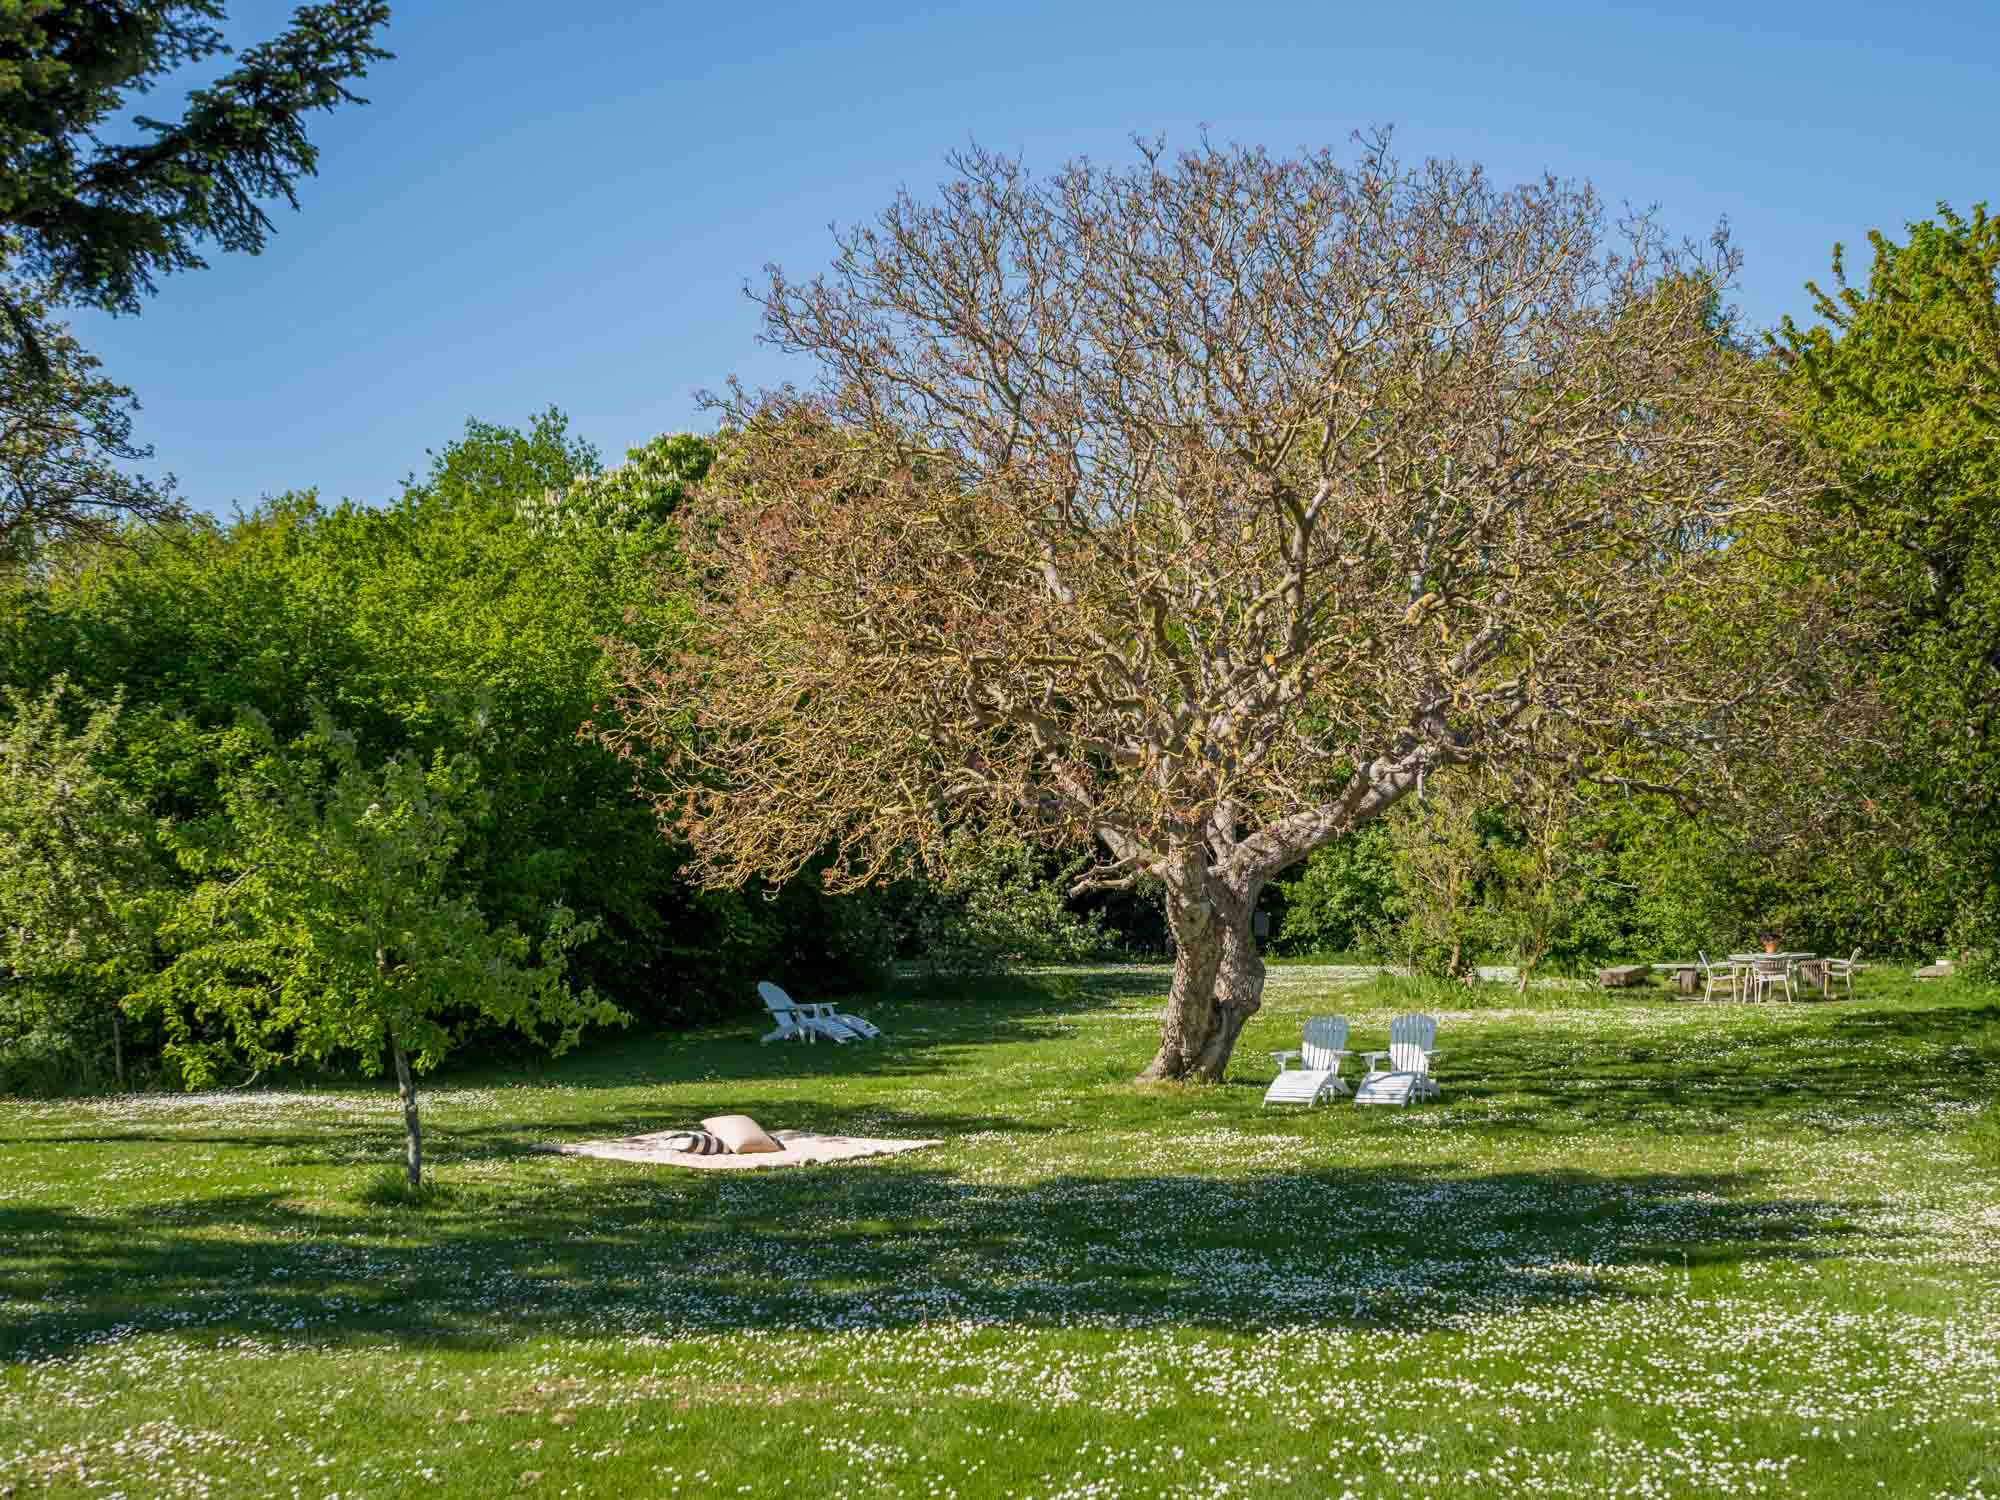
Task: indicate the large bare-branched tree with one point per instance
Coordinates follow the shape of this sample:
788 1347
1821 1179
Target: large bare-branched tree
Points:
1195 513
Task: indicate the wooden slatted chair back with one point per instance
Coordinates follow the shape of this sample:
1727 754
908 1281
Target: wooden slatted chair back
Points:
1325 1038
776 1000
1411 1040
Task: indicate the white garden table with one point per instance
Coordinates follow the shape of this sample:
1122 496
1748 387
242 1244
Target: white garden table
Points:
1795 961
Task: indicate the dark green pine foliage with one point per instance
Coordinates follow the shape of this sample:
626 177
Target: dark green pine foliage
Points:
100 219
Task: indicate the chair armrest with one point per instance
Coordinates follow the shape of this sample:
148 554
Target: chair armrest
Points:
1371 1056
1281 1058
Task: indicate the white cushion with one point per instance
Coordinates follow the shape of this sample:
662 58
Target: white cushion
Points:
740 1134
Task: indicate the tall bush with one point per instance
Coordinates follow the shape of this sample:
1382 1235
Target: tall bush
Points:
75 864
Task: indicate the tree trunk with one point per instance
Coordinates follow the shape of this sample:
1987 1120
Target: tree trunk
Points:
118 1045
412 1131
1218 973
1218 981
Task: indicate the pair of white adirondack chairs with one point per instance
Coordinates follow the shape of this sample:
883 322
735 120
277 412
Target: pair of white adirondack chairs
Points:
1412 1049
808 1023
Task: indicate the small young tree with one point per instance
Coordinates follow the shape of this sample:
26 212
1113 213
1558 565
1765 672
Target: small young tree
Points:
1552 879
1194 513
1448 880
330 918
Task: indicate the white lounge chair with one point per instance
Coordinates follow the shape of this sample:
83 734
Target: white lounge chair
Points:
1318 1074
811 1021
1411 1053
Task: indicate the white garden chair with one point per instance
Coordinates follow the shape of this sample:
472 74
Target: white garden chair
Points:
1412 1050
1842 969
1725 978
1769 974
807 1023
1318 1074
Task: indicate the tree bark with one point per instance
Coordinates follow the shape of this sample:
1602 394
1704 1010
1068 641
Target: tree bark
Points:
118 1045
1239 995
1218 973
412 1132
1218 980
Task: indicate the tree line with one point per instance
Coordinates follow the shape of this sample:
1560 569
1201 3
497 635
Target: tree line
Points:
1883 836
1437 562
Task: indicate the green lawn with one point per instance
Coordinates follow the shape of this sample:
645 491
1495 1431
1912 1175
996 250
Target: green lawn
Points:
1642 1247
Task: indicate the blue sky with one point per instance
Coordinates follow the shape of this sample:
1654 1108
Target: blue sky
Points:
561 204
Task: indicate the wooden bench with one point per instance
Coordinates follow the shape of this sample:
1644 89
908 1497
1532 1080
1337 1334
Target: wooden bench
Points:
1618 976
1687 975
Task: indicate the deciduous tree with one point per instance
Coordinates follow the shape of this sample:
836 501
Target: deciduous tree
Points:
331 918
1197 512
1900 384
75 859
65 442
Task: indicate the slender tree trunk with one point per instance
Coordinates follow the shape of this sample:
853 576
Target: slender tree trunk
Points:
412 1131
118 1045
1218 981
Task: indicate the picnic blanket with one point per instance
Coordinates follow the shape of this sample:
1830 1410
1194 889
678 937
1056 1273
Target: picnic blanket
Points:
800 1148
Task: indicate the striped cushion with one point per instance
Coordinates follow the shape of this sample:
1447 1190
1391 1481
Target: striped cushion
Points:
696 1143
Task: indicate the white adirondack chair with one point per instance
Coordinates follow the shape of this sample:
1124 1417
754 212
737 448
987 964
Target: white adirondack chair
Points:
1412 1050
1715 979
1318 1074
809 1022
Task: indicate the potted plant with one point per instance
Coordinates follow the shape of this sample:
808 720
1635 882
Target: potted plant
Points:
1769 939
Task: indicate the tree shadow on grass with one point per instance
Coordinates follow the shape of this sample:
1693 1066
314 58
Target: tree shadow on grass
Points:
615 1251
380 1141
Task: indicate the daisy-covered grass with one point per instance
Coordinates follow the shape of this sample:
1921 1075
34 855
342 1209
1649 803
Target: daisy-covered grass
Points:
1642 1247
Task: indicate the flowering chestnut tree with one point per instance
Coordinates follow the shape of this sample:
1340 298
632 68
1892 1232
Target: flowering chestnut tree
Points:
1195 512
